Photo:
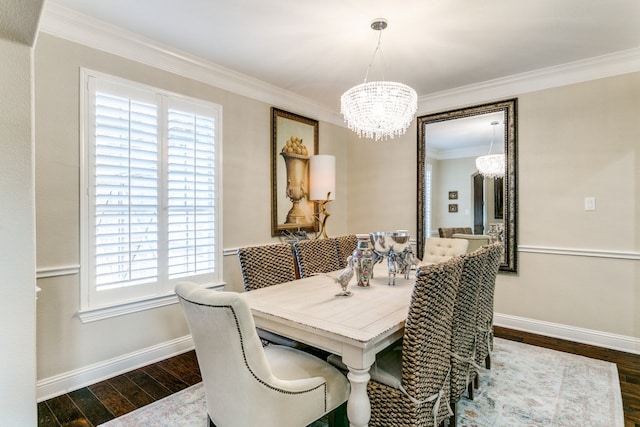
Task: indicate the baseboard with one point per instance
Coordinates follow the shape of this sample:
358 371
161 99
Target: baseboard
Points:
569 333
73 380
78 378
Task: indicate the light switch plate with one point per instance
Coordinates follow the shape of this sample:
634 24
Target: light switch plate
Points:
589 203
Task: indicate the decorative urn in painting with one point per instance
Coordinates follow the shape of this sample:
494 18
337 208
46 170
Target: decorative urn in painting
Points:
363 260
296 159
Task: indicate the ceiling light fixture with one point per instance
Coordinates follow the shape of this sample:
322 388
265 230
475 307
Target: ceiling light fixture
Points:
379 109
491 165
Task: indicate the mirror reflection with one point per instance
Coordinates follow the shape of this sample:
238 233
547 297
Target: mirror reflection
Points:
453 195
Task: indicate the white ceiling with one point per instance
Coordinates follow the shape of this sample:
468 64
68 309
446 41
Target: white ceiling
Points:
319 49
466 137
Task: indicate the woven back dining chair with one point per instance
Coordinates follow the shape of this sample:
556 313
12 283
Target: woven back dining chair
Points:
246 384
448 232
410 382
484 320
316 256
463 339
268 265
346 245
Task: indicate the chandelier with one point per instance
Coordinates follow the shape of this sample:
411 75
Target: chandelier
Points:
379 109
491 165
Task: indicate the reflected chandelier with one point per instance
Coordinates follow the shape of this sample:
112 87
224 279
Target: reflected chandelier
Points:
491 165
380 109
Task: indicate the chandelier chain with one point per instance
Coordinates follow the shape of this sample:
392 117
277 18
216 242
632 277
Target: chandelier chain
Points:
373 57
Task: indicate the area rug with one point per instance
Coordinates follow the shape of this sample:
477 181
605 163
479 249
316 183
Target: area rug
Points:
526 386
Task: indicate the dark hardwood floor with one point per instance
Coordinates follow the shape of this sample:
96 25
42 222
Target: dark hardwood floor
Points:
109 399
101 402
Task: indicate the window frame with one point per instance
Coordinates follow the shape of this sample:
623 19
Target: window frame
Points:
161 292
428 180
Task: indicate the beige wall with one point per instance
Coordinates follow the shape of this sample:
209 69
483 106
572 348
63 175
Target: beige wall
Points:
574 141
584 138
64 343
454 175
17 244
457 175
577 141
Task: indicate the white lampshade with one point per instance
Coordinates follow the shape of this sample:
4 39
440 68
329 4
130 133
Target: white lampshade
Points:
322 177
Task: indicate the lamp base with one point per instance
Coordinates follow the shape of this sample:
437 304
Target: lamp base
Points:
322 233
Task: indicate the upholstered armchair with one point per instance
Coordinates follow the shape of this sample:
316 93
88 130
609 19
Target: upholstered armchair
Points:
475 240
438 249
245 383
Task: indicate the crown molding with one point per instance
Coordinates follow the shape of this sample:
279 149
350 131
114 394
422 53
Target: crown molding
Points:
459 153
623 62
79 28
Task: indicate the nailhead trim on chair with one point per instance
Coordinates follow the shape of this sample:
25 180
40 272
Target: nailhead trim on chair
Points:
244 355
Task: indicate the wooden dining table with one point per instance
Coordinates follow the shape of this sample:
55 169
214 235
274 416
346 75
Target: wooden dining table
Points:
354 327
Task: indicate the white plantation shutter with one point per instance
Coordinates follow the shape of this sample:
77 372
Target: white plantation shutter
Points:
126 191
151 212
191 181
427 201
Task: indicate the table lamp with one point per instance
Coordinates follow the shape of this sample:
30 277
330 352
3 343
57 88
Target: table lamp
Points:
322 186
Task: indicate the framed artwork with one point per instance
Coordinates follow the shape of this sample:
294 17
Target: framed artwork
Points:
453 195
453 208
294 139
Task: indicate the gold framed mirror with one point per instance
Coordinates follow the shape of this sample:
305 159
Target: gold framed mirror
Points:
448 144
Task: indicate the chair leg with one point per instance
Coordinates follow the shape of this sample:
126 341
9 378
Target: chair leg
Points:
487 361
476 381
338 417
452 419
470 389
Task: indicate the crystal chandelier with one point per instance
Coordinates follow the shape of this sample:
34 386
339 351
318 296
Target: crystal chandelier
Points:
491 165
380 109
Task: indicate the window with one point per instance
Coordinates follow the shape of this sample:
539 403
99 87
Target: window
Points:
151 211
427 201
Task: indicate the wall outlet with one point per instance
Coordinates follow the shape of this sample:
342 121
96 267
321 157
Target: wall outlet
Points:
589 203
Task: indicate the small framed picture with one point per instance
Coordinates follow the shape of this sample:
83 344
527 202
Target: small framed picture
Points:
453 195
453 207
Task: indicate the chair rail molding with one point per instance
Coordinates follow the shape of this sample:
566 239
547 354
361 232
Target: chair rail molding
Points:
57 270
595 253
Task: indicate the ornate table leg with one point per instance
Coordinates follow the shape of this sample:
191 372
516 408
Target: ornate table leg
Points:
358 405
